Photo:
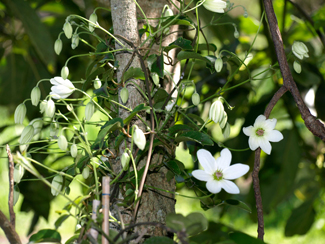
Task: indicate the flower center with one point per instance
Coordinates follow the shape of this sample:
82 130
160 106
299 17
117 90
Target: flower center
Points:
259 132
218 175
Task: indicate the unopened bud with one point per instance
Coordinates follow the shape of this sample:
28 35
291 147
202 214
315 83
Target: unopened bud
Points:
74 150
57 184
58 46
97 83
168 12
223 121
27 134
226 131
92 18
67 28
35 95
63 143
216 112
20 113
218 64
196 98
37 124
89 110
18 173
139 138
85 172
64 72
124 93
49 108
297 67
125 159
74 41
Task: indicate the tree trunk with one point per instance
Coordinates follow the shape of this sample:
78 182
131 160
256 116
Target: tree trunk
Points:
155 205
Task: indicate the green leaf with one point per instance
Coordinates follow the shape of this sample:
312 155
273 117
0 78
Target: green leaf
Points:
301 219
181 42
132 72
101 47
159 98
196 117
194 223
175 166
38 33
178 128
210 46
60 220
137 109
238 204
46 235
191 55
241 238
109 126
178 21
196 136
158 66
159 240
72 239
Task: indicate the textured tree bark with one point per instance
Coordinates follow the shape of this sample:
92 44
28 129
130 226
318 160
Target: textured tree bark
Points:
155 205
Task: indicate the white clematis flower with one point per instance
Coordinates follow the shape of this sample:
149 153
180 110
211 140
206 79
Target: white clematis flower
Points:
262 133
218 172
61 88
217 6
300 50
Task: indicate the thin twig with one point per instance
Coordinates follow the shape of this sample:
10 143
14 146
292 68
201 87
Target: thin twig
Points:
11 187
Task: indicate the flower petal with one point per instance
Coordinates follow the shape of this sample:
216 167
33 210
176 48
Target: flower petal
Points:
224 160
248 130
253 143
57 80
201 175
265 145
269 124
206 160
213 186
229 187
235 171
259 121
274 136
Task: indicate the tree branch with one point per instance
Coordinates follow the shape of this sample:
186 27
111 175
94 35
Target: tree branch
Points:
11 187
8 229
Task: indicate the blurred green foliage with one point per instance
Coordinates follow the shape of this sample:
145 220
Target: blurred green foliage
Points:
291 177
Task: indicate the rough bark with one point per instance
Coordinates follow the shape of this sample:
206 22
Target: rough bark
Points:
155 205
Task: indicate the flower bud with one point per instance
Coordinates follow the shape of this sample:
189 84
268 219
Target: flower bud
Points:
74 150
89 111
300 50
63 143
58 46
124 93
92 18
97 83
226 131
49 108
245 14
216 112
16 194
85 172
168 12
42 106
218 64
67 28
169 106
20 113
223 121
217 6
35 95
57 184
125 159
139 138
54 129
19 171
74 41
155 78
297 67
27 134
37 124
236 34
64 72
196 98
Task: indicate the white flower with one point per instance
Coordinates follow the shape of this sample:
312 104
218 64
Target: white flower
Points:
217 6
170 105
216 112
61 88
218 172
262 133
139 138
300 50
